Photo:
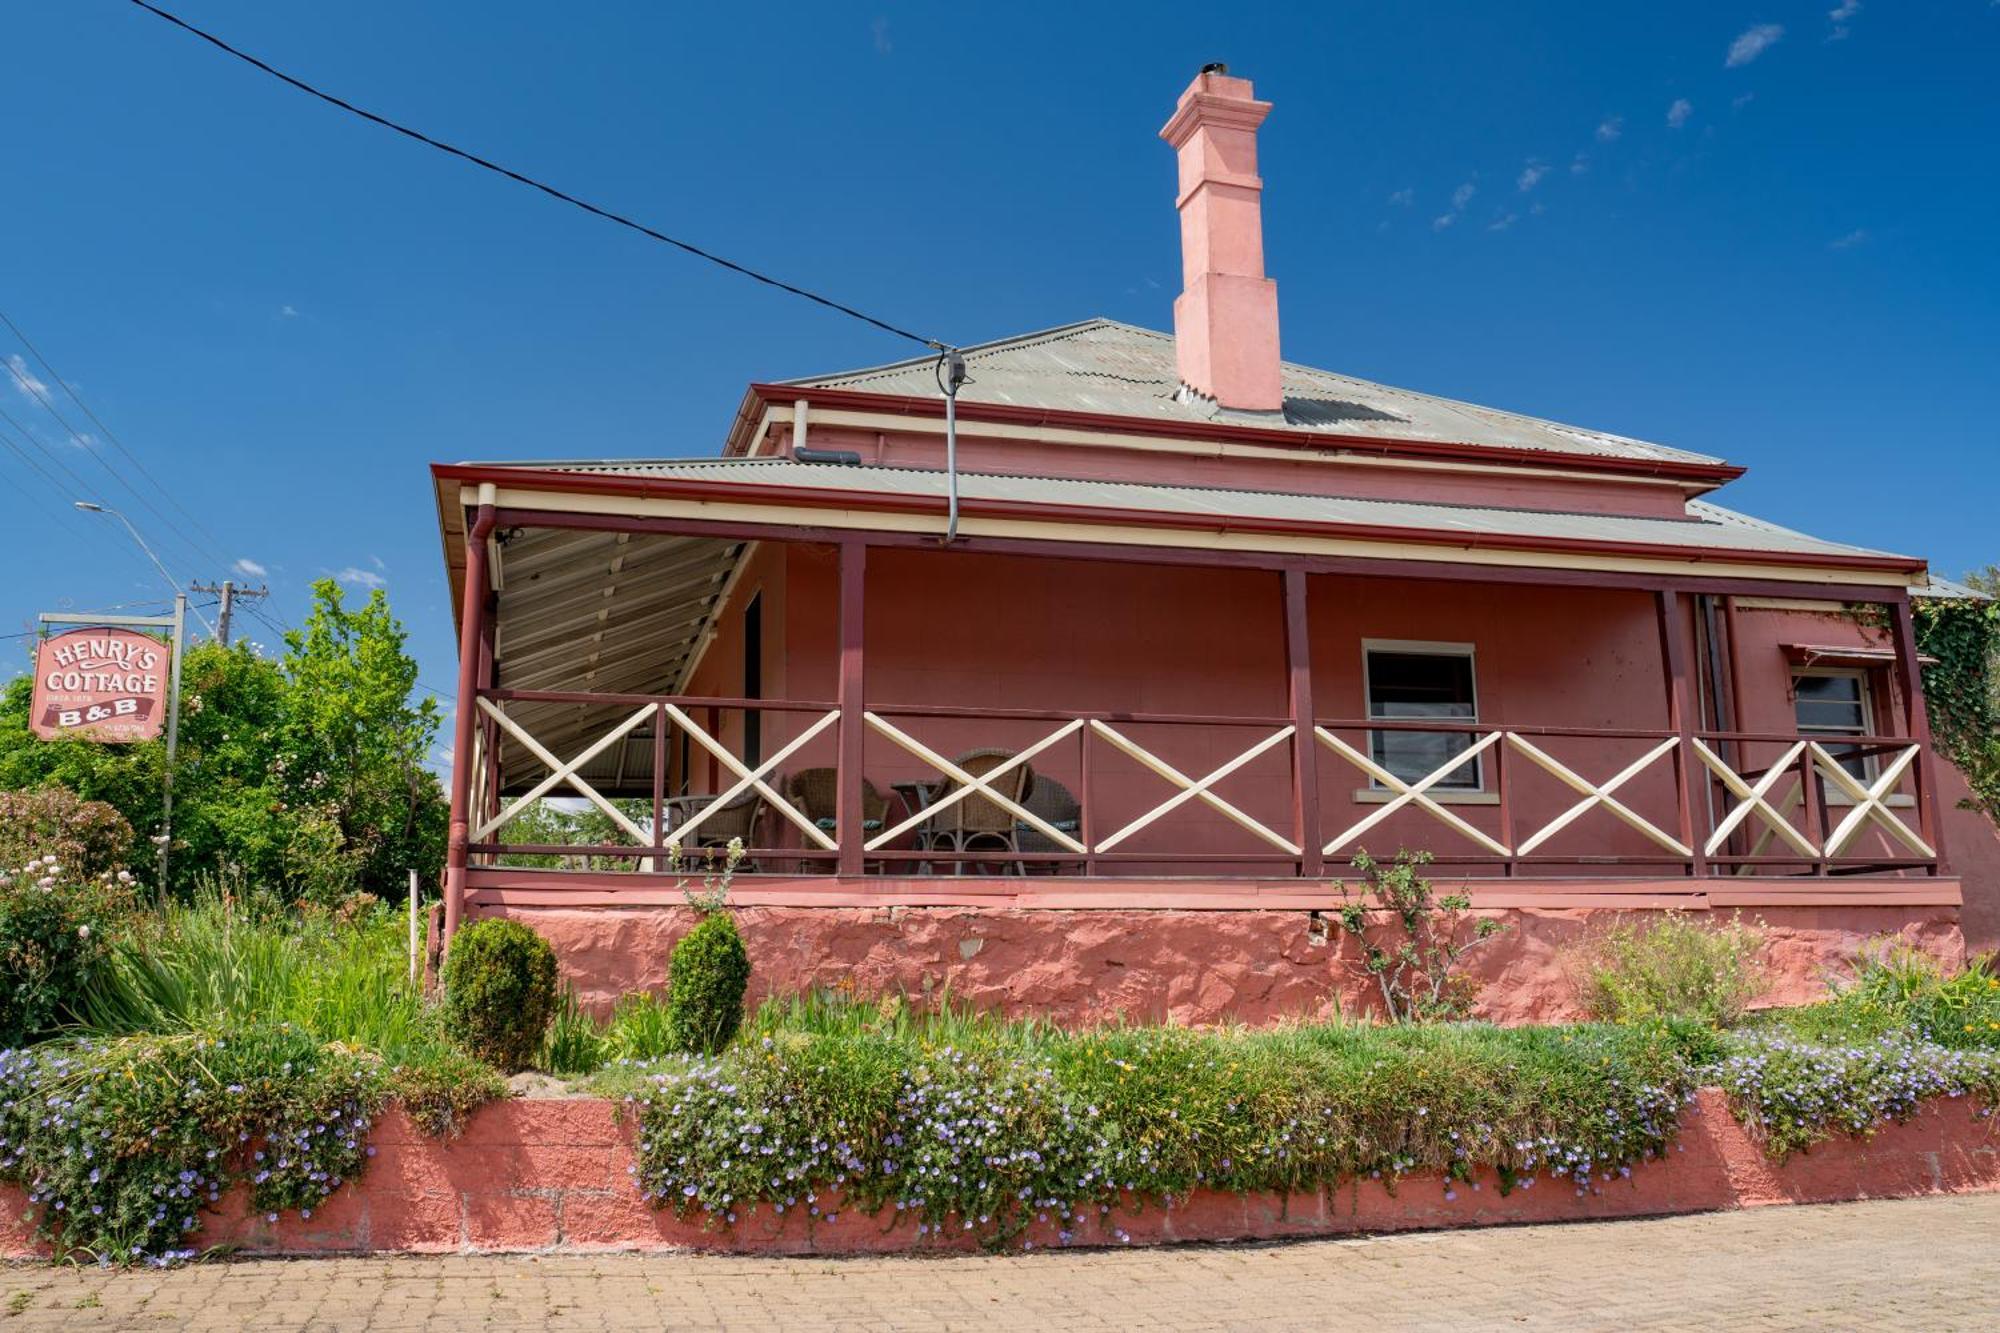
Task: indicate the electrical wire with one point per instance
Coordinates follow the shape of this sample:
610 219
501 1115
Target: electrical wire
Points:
38 392
529 181
110 435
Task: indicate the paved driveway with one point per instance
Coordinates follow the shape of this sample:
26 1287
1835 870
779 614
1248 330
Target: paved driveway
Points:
1914 1264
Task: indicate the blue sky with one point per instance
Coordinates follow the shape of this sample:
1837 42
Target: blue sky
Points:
1761 230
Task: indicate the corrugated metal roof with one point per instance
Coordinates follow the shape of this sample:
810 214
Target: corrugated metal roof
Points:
1949 590
1100 365
1707 525
606 612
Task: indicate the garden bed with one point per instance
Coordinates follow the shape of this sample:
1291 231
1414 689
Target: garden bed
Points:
556 1174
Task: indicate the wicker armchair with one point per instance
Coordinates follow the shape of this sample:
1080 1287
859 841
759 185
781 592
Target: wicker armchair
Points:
978 823
738 819
1054 803
816 792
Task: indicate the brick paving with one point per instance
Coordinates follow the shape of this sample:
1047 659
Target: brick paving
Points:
1905 1264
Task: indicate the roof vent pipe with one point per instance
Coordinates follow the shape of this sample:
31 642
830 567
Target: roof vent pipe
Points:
950 374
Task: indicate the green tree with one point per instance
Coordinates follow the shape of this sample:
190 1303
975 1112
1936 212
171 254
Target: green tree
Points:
303 774
354 744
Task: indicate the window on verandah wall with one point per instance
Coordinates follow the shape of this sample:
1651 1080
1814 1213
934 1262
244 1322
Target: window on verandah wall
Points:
1833 703
1427 682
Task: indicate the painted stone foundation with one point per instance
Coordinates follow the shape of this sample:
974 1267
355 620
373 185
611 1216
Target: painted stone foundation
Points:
553 1175
1185 966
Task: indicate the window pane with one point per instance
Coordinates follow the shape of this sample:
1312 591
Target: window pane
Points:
1412 755
1830 703
1419 686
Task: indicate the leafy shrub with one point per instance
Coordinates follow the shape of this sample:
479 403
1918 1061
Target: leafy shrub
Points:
1669 967
499 991
55 933
1898 988
973 1125
1794 1093
706 980
1412 938
121 1144
641 1028
87 838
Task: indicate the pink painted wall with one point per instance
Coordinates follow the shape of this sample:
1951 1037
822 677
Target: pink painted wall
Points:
1003 631
1159 965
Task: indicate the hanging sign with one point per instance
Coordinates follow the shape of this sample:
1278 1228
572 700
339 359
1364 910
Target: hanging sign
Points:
106 685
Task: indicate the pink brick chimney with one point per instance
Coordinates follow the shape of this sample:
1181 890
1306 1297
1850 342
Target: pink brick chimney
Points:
1226 317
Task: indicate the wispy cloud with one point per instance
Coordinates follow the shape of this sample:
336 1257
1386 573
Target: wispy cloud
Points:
1579 164
1853 238
24 379
879 30
1741 100
1459 199
249 568
1403 198
1839 16
1504 221
1753 42
1610 128
288 312
361 578
1531 175
1678 113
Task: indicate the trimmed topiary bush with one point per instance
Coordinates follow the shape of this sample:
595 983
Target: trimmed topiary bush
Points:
706 979
499 992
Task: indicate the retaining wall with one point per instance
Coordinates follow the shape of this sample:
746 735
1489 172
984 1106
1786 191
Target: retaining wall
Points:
553 1175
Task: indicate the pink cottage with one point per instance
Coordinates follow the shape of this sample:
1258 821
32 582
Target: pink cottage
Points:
1078 696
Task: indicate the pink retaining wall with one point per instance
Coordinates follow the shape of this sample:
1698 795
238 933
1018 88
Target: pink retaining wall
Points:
541 1175
1186 966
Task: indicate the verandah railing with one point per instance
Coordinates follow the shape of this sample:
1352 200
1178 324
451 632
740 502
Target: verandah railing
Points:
1213 796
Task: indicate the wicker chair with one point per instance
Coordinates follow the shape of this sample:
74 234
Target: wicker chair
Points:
816 792
978 823
1057 807
738 819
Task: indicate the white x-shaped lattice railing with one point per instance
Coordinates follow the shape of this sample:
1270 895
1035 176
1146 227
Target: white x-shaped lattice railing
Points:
967 784
1596 795
1409 793
751 779
1193 789
1870 801
1754 798
561 772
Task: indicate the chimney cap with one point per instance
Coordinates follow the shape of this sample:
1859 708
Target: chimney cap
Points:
1215 67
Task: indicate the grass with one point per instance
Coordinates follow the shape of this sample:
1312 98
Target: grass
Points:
209 966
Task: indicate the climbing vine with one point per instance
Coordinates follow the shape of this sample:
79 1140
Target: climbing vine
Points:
1963 634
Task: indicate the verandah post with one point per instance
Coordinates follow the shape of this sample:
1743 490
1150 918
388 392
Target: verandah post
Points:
471 640
1305 744
1680 717
1917 717
853 736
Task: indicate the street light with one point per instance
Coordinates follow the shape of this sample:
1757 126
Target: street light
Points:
92 507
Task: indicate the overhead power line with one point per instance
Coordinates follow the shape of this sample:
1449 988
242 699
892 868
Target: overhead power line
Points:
529 181
111 435
38 393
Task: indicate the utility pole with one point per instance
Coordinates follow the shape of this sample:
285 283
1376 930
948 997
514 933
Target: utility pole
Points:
229 592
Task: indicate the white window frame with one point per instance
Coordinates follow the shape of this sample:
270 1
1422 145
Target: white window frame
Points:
1375 792
1869 717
